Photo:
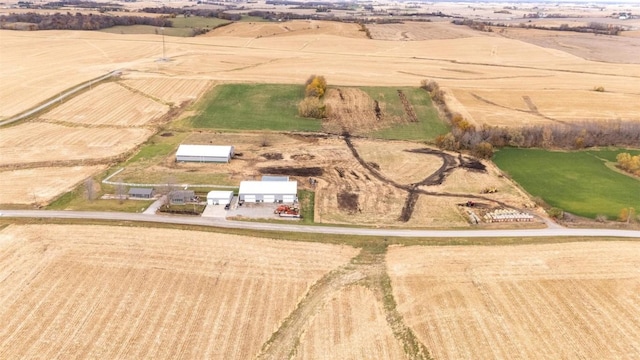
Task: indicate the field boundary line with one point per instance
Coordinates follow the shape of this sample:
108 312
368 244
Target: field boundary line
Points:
62 96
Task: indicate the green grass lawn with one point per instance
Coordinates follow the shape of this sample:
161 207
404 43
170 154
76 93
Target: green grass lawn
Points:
429 126
578 182
254 107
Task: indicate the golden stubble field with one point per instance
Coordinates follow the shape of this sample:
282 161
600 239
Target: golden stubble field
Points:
117 292
555 301
464 62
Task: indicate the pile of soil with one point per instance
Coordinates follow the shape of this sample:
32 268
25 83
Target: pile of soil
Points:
348 202
272 156
292 171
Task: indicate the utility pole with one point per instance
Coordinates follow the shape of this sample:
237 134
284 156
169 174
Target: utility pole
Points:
163 56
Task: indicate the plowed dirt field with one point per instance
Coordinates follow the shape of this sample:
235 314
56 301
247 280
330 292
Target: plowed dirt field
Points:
115 292
555 301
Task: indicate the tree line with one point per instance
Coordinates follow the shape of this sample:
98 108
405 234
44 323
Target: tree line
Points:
79 21
577 135
207 13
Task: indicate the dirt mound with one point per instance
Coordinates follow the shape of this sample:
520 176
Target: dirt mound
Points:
471 164
352 110
348 202
302 157
292 171
272 156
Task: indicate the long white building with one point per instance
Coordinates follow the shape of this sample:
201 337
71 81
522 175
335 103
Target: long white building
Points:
204 153
268 191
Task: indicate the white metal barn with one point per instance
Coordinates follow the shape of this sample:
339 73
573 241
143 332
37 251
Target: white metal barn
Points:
268 191
204 153
219 197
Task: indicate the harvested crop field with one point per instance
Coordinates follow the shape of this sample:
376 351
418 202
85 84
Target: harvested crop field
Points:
41 185
351 326
417 31
108 104
573 300
169 90
117 292
34 143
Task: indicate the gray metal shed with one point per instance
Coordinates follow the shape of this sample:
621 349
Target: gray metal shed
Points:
141 193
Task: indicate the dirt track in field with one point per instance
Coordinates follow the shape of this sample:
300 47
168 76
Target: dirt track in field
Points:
367 269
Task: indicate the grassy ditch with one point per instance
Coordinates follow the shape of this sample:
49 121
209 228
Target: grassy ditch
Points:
254 107
579 182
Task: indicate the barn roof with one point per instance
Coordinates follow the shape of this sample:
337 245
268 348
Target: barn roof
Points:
274 178
268 187
219 194
204 150
141 191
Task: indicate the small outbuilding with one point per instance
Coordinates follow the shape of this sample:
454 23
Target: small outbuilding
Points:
181 197
141 193
268 191
219 197
204 153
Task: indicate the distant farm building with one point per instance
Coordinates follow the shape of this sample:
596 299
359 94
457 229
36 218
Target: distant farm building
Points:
268 191
141 193
219 197
205 153
274 178
181 197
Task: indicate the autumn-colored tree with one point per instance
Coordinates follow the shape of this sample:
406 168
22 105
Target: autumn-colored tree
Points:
627 215
316 86
628 163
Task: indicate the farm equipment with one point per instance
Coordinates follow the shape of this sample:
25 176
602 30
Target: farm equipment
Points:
490 190
287 211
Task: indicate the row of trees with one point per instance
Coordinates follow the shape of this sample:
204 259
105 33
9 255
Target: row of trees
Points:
312 106
207 13
576 135
80 21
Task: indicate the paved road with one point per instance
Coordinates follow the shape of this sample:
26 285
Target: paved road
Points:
472 233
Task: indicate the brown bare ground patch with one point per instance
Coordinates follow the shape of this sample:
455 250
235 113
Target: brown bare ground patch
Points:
531 301
108 104
40 142
351 326
99 291
351 110
41 185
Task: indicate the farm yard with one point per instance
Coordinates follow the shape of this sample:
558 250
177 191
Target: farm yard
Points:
71 289
99 291
550 301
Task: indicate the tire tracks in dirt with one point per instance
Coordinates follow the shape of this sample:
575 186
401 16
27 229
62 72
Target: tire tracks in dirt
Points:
449 164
